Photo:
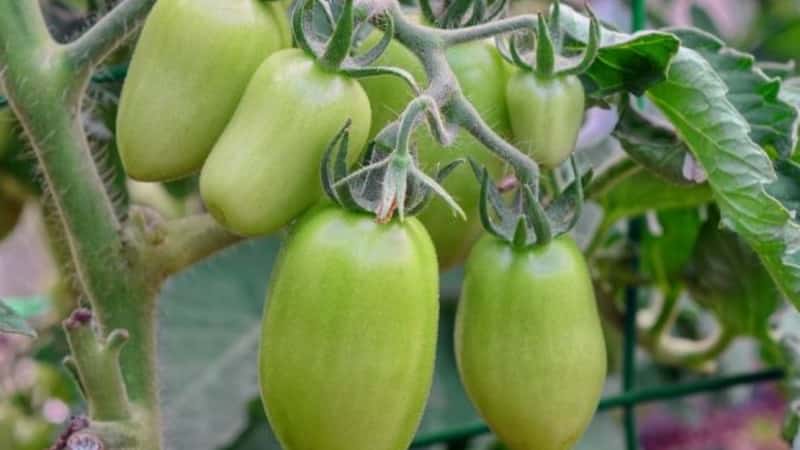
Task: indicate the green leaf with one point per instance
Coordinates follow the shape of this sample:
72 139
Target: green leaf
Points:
694 99
624 63
210 326
787 187
773 121
790 91
14 323
652 145
665 255
643 192
726 277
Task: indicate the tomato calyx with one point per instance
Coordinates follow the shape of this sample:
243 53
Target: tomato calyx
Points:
389 180
463 13
331 40
525 222
548 47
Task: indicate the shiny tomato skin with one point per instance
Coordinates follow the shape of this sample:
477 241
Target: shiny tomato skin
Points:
264 170
189 69
546 115
349 334
529 343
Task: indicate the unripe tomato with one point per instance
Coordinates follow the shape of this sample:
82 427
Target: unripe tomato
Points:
188 72
546 115
349 334
482 75
264 170
529 344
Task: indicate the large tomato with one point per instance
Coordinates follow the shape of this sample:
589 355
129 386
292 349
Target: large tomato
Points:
188 72
349 334
264 170
529 344
482 74
546 114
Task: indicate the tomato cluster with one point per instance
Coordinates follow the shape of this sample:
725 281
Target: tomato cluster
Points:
349 332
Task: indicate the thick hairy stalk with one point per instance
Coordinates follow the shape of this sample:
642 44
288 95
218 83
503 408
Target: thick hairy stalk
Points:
45 84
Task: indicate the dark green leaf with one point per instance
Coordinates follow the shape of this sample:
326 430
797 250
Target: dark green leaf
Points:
726 276
653 146
773 122
643 192
210 325
787 187
665 255
694 99
624 63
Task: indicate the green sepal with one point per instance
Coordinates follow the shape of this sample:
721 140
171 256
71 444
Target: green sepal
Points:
374 71
485 201
566 209
301 23
520 238
545 52
378 49
441 175
342 39
334 167
537 216
589 53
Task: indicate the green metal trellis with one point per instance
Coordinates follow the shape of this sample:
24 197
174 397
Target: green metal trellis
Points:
630 396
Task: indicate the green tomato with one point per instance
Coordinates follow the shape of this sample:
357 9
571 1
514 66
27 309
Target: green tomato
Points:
349 334
529 343
264 170
188 72
482 75
546 115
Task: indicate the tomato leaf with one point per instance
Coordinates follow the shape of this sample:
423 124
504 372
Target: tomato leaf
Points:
643 192
694 99
773 121
652 145
665 254
787 187
726 277
12 322
624 63
210 322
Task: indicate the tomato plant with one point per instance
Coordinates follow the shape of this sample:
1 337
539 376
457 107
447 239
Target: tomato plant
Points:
347 354
380 145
